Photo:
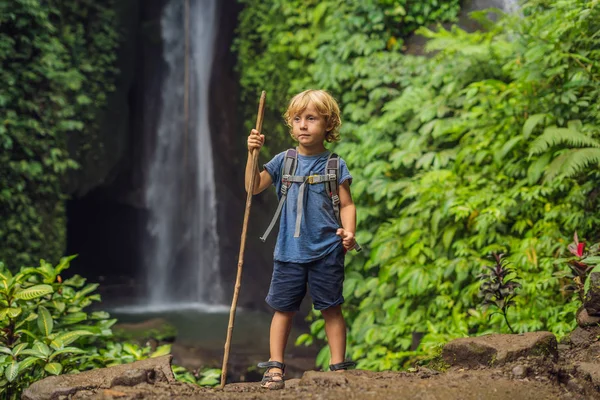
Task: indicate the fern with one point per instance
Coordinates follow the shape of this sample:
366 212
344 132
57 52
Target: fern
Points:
553 136
572 161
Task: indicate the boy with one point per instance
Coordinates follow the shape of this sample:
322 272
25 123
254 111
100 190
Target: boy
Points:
311 245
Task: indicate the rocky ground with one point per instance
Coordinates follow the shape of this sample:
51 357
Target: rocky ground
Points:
527 366
522 366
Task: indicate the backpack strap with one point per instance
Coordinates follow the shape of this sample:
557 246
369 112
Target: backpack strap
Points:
333 168
290 163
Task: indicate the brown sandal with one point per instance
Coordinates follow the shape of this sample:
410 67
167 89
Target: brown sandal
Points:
272 380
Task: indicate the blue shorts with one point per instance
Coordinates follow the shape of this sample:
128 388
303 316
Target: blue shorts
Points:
325 279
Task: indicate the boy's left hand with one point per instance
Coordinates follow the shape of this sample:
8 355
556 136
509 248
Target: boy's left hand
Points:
347 238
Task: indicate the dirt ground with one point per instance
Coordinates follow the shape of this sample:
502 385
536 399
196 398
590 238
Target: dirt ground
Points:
516 370
349 385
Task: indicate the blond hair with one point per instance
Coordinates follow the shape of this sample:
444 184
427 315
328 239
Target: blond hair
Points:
325 105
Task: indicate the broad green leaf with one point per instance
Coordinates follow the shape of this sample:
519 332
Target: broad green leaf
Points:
69 337
42 348
75 281
100 315
319 11
72 350
59 305
5 280
53 368
44 321
133 350
26 363
161 351
210 377
64 263
11 371
12 312
531 123
73 318
508 146
18 348
35 353
593 260
586 284
56 343
87 289
47 270
34 292
26 332
536 169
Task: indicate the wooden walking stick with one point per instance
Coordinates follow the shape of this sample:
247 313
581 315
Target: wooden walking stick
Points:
238 278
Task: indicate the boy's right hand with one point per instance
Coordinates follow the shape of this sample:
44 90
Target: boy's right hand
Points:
255 140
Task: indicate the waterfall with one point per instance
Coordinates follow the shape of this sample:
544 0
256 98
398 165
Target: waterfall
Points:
511 6
182 259
508 6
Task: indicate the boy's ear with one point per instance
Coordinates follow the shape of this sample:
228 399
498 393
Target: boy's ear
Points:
329 125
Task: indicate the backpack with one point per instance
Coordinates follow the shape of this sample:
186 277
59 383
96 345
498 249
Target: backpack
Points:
330 179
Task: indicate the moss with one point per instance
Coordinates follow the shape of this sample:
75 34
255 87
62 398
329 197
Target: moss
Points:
543 349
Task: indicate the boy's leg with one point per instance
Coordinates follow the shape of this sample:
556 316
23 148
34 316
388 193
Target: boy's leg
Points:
335 328
326 284
281 324
288 287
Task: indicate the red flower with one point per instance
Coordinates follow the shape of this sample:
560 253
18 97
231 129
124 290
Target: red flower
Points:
576 248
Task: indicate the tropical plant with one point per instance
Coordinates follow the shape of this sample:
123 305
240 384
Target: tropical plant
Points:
582 262
43 325
46 330
446 163
498 289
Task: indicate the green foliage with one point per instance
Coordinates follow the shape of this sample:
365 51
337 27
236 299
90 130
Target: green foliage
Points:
286 46
581 264
45 329
498 288
448 167
57 67
205 377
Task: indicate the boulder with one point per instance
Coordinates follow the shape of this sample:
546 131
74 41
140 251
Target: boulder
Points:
583 337
584 319
497 349
149 371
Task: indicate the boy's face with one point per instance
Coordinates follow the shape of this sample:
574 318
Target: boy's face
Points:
309 127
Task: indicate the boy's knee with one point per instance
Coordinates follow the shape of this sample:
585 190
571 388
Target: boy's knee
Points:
332 312
285 314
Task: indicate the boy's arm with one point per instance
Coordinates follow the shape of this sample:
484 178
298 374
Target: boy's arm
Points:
263 179
347 215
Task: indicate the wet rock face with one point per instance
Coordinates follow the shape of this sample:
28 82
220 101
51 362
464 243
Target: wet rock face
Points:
592 297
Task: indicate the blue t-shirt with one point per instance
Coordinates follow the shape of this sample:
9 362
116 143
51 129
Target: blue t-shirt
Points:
319 224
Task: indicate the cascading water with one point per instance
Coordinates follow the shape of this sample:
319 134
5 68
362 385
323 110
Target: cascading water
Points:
511 6
508 6
182 261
